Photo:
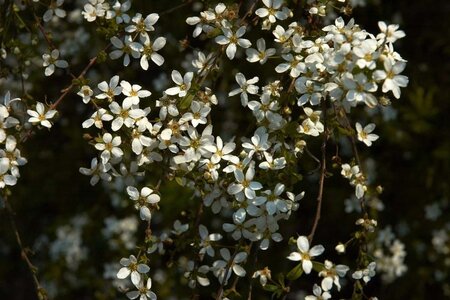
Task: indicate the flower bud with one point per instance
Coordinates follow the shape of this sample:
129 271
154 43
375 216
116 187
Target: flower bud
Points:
340 248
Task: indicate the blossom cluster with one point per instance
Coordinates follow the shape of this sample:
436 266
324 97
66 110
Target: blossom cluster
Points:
14 127
249 181
344 65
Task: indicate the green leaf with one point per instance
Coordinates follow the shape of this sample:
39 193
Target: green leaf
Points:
317 266
186 101
280 278
295 273
270 287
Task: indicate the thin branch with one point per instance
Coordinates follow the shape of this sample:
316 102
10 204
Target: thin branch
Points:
40 291
170 10
323 167
72 85
42 30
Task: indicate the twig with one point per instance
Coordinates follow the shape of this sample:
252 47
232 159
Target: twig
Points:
40 291
72 85
42 30
168 11
228 269
352 140
323 164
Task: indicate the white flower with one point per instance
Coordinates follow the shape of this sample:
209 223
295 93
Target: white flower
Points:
198 114
245 183
12 155
359 89
321 10
365 135
331 275
206 240
349 171
133 94
367 54
318 295
183 84
167 105
40 116
258 143
389 32
6 121
111 90
201 24
97 171
204 63
312 125
51 60
221 268
309 90
179 228
119 12
124 115
86 93
195 145
263 275
143 291
93 10
273 202
246 86
282 35
131 266
232 40
97 119
262 54
266 109
125 49
143 199
142 25
392 80
149 51
5 178
365 274
220 151
109 146
199 273
54 9
293 63
272 12
305 253
140 141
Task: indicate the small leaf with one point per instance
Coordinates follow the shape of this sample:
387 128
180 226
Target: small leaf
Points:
179 180
186 101
280 278
295 273
317 266
270 287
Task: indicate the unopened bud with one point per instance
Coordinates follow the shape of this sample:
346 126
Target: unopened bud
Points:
340 248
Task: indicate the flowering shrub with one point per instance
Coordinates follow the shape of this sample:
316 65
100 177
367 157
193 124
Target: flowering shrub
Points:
303 81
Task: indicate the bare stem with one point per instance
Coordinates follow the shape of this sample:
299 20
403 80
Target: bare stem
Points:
170 10
40 291
72 85
323 167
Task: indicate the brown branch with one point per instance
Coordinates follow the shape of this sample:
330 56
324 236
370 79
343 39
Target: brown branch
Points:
249 11
40 291
228 269
323 167
352 140
72 85
42 30
170 10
